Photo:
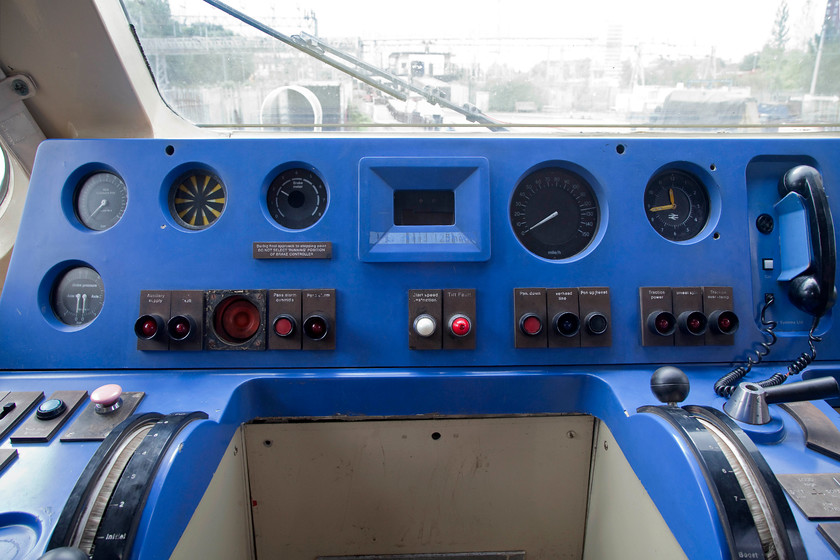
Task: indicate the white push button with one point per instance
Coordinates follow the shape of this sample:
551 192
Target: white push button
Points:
425 325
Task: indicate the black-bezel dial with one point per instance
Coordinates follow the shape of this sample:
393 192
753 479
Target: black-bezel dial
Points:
78 296
101 200
677 205
554 213
297 198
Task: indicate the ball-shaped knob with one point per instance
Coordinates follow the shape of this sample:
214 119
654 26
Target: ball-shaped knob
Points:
669 384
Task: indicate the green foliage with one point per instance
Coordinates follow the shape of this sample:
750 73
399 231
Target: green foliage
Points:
505 94
666 72
153 19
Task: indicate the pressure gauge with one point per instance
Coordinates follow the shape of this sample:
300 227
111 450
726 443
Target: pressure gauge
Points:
297 198
101 200
78 296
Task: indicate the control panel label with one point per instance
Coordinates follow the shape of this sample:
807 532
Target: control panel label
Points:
293 250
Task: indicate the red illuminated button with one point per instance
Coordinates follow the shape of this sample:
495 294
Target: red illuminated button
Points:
530 324
236 319
180 327
149 328
460 326
284 326
316 327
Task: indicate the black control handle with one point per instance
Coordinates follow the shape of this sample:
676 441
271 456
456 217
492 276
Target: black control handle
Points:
810 390
813 291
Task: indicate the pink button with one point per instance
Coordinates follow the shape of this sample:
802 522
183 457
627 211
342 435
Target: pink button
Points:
106 395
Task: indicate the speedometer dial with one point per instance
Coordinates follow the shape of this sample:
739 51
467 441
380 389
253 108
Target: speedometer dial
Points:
101 200
554 213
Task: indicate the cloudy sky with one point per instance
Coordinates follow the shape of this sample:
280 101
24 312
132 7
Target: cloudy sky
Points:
733 27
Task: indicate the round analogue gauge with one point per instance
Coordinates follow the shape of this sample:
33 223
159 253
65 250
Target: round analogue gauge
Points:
297 198
197 199
101 200
78 296
554 213
677 205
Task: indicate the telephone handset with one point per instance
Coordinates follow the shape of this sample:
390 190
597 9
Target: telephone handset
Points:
810 277
813 291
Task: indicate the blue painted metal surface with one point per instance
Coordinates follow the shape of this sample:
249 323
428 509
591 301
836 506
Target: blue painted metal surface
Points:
372 372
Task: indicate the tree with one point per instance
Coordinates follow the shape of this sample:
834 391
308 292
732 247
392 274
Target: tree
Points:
779 36
153 19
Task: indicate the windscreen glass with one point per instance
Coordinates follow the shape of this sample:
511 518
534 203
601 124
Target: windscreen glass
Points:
527 66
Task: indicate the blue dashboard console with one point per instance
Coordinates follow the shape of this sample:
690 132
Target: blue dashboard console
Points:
221 281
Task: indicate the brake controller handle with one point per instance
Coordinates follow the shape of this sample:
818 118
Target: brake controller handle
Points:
810 390
813 291
749 401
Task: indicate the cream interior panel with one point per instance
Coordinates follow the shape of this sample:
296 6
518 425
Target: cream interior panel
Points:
401 487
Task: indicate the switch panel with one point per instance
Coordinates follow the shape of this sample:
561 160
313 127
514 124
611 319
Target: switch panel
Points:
529 315
658 321
15 406
687 316
284 320
6 457
568 317
691 320
95 426
596 317
318 312
425 319
150 327
185 326
42 426
235 319
719 305
563 317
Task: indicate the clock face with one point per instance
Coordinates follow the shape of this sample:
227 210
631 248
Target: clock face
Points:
676 205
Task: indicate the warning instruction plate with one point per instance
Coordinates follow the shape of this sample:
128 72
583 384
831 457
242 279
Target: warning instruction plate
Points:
293 250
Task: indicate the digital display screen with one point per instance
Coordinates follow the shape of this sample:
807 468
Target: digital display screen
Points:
424 207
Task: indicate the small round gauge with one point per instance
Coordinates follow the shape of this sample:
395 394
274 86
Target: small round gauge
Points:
101 200
197 199
677 205
297 198
78 296
554 213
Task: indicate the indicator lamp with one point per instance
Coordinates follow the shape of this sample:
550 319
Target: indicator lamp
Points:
662 323
316 327
149 327
724 322
596 323
566 324
180 327
460 326
530 324
692 322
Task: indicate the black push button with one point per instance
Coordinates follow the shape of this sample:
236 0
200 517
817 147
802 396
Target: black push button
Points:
50 409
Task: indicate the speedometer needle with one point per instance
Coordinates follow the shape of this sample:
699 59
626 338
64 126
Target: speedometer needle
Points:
544 220
102 205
